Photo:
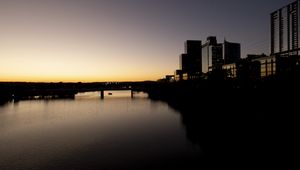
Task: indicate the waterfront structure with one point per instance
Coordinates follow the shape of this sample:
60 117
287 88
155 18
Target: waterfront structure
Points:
248 70
170 78
178 75
231 70
267 64
256 67
245 69
285 38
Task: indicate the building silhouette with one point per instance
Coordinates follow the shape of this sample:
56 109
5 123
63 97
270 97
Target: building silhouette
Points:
231 52
285 36
191 60
268 64
213 58
200 59
285 48
215 55
212 55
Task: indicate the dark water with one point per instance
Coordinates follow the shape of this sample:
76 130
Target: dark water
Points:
89 133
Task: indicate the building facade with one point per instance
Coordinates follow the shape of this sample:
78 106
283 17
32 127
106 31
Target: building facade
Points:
285 36
267 64
231 52
191 60
215 55
211 55
231 70
199 59
190 63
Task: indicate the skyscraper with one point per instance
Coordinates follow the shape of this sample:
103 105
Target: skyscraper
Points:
199 59
285 31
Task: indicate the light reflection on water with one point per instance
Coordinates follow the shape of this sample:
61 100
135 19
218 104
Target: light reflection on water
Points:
111 94
89 132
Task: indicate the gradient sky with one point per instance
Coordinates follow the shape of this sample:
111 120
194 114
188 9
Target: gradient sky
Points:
120 40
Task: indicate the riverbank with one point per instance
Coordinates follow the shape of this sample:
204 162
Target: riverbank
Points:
249 125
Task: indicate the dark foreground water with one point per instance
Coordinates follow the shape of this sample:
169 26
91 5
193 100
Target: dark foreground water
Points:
89 133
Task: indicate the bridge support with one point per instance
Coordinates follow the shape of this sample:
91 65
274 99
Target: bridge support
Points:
102 94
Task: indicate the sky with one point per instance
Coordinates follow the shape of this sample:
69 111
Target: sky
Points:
120 40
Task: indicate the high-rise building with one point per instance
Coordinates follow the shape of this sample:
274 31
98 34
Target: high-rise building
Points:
285 38
211 55
231 52
190 62
205 58
215 55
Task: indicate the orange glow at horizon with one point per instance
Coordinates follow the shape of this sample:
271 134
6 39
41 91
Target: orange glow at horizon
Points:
51 64
52 41
44 65
74 79
71 65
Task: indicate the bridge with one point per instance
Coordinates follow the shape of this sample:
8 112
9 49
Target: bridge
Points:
129 88
23 90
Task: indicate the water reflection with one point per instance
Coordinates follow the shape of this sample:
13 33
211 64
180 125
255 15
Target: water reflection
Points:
89 133
111 94
239 138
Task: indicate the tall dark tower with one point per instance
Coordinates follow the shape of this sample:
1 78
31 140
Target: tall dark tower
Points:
191 61
285 30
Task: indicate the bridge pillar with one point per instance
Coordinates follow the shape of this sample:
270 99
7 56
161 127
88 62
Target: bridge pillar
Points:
131 91
102 94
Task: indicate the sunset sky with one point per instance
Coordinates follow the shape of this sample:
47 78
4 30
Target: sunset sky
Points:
120 40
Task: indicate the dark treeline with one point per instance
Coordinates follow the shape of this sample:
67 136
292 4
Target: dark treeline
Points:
24 90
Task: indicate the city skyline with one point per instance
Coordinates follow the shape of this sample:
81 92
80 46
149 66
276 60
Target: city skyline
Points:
120 40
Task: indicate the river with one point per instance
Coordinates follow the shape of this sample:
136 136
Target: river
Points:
118 132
